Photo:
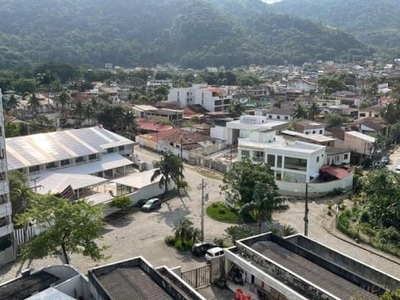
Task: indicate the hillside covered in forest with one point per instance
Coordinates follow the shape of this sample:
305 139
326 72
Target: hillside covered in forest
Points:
374 22
192 33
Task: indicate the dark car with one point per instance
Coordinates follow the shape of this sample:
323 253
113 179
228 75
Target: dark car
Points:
201 248
152 204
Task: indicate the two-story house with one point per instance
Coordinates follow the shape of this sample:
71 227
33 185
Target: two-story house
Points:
309 127
214 99
292 161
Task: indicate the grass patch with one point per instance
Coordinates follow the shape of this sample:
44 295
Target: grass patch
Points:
220 212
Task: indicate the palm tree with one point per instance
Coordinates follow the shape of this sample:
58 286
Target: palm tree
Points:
299 111
196 233
169 169
34 103
12 102
312 110
63 99
183 231
79 111
236 109
265 201
89 112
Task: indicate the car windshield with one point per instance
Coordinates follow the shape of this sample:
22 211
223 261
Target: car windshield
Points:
151 201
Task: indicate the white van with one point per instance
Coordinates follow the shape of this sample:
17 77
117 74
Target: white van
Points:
214 252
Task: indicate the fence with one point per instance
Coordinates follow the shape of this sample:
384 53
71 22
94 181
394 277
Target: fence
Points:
24 235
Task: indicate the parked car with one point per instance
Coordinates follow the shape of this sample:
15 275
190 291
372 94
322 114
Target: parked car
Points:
201 248
152 204
214 252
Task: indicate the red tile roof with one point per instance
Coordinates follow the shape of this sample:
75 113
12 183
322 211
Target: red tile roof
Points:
151 125
339 173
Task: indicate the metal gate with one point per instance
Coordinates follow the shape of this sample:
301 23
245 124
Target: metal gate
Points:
199 277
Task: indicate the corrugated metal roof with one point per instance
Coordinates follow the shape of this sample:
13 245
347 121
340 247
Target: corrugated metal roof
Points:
137 180
42 148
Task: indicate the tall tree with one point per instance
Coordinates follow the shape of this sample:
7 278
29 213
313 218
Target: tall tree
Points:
299 112
312 110
236 109
239 183
183 230
64 98
70 228
34 103
79 111
265 201
169 169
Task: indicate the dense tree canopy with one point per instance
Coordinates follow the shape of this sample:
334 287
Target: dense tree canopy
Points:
193 33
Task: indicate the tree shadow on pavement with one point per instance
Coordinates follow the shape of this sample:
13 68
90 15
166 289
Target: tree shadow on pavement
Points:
172 216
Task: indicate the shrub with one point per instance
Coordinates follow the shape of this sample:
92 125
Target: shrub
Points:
170 240
121 202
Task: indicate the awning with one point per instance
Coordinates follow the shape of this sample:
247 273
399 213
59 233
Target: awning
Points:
55 183
137 180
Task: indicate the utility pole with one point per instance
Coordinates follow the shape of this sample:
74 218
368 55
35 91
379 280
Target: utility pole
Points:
306 212
202 186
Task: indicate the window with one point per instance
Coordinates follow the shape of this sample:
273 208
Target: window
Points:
258 156
278 117
121 148
286 118
110 150
92 156
294 163
346 156
279 161
313 132
270 117
64 162
271 160
245 153
3 199
362 115
50 166
317 158
34 169
79 159
320 132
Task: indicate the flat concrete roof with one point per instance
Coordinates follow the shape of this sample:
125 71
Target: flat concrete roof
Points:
360 135
319 138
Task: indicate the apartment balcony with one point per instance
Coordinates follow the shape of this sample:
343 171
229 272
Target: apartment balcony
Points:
5 209
7 229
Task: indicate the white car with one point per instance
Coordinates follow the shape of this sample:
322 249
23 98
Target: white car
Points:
214 252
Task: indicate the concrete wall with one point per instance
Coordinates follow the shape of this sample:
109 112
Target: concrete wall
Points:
75 287
219 132
251 269
320 189
349 263
209 149
7 256
358 145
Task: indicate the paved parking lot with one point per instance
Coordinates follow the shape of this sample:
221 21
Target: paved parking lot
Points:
144 233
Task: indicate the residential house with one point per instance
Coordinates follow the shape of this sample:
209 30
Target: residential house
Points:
25 110
369 125
177 140
266 266
292 95
309 127
292 161
372 112
158 114
301 84
337 156
111 92
214 99
7 247
279 114
318 139
156 83
359 143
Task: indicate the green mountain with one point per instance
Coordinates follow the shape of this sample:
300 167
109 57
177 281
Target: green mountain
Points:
192 33
374 22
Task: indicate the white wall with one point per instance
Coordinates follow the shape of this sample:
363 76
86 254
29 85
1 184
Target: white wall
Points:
338 159
75 287
219 132
314 131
